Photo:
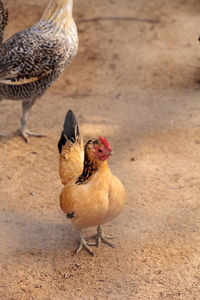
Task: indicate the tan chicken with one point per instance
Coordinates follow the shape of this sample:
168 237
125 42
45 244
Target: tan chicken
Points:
32 59
91 195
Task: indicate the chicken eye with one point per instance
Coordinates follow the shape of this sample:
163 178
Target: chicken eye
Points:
99 150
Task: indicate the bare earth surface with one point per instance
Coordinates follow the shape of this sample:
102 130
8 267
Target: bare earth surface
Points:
134 81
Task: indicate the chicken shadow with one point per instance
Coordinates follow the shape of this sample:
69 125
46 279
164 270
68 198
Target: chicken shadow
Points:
28 233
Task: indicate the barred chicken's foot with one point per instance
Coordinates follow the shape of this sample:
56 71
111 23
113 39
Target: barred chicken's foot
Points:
83 244
26 133
100 237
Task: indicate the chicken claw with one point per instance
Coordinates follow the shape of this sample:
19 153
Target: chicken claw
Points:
83 244
26 133
102 238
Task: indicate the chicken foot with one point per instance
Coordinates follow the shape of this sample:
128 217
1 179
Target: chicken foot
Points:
100 237
83 244
26 133
23 131
1 134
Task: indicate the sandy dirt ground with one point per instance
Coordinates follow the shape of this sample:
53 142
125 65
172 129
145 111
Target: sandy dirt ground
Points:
135 81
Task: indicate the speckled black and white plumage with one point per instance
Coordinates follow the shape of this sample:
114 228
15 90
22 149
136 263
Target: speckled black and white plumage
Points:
32 59
3 20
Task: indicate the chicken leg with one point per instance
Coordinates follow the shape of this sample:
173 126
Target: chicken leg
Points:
1 134
24 132
83 244
100 237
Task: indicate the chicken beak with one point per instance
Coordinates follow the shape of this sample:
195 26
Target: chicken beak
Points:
111 153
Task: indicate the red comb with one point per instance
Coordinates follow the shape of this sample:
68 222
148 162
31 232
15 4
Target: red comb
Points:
105 143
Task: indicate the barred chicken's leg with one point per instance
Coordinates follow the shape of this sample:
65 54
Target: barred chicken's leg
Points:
26 107
1 134
83 244
102 238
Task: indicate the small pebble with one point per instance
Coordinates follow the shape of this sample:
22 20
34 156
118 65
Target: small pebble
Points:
118 95
77 265
67 275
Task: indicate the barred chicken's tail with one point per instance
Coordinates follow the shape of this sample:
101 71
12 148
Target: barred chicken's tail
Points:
70 130
3 20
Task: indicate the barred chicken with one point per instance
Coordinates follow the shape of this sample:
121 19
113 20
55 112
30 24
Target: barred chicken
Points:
91 195
32 59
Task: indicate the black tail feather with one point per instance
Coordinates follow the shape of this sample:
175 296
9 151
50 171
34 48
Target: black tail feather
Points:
70 130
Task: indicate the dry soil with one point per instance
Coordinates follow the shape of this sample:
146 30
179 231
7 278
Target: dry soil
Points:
135 80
